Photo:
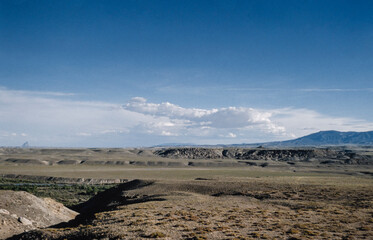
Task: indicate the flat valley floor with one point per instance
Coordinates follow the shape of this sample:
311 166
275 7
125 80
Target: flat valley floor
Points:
278 201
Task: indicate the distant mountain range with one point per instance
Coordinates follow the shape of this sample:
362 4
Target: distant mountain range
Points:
322 138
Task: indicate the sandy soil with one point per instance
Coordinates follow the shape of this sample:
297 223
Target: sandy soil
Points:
205 209
21 211
310 194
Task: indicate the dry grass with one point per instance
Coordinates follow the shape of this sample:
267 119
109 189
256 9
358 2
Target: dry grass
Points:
289 211
276 202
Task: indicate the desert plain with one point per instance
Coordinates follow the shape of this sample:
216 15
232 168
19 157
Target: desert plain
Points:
187 193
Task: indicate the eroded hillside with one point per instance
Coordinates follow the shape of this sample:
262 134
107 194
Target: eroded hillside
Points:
184 157
21 211
213 209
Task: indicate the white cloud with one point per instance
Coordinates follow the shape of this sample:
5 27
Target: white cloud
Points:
165 133
239 122
232 135
139 104
223 118
299 122
60 121
84 134
35 93
336 89
57 120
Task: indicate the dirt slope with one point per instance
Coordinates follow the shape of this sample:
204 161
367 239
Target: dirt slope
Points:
204 209
21 211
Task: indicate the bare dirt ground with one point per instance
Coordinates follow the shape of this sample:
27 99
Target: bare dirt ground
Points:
188 157
205 209
185 194
21 211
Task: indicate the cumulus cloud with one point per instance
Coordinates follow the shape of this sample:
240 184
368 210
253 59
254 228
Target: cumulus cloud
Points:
140 104
59 120
223 118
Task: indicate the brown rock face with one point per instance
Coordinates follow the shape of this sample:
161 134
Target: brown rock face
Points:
297 154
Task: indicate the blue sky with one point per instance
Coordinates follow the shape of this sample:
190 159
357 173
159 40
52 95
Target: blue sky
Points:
233 71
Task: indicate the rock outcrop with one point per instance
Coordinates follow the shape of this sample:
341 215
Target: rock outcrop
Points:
296 154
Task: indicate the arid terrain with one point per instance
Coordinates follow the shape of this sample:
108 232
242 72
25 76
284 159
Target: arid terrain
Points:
21 211
195 193
192 156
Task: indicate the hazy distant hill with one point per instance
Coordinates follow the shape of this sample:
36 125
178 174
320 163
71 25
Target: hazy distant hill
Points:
321 138
329 138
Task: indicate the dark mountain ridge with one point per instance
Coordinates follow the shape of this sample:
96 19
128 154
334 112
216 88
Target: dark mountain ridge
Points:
324 138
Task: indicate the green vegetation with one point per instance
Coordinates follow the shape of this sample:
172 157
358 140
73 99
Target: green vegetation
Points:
67 194
13 187
138 172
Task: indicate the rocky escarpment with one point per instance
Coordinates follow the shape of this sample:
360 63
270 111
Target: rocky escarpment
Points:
190 153
307 154
184 156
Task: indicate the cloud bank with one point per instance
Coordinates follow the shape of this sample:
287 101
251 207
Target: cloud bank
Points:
56 119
